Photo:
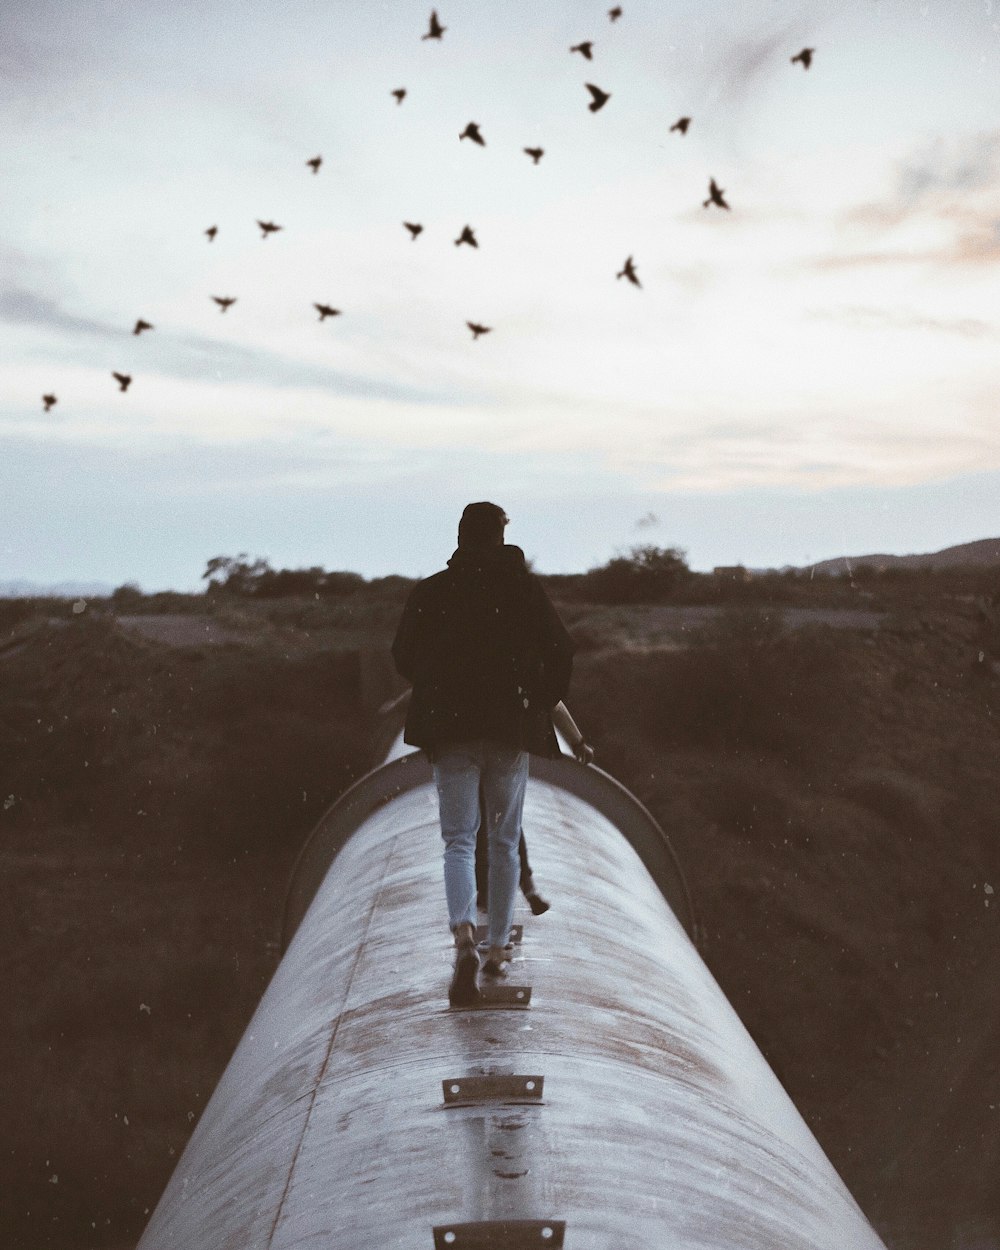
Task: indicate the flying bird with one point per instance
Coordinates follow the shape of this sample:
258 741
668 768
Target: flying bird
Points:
805 56
629 272
414 228
715 195
472 132
435 30
586 49
212 231
314 163
681 124
536 154
48 401
400 94
325 311
598 97
477 329
615 13
141 325
267 227
466 236
224 301
123 380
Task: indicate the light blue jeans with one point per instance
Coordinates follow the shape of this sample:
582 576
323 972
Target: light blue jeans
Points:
481 780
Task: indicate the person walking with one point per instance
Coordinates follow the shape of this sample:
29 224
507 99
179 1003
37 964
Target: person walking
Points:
566 726
488 659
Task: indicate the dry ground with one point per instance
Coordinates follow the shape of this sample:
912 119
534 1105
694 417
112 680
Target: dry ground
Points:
831 794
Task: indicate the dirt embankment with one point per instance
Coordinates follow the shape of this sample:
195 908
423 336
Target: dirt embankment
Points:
831 793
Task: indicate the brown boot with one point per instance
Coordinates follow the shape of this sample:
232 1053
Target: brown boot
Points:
464 988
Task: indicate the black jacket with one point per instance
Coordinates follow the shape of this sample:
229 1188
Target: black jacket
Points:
485 652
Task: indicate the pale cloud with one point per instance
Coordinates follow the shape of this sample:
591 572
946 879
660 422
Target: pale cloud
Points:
748 62
939 210
22 307
864 318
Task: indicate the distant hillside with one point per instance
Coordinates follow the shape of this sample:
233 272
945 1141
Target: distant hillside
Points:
60 590
981 554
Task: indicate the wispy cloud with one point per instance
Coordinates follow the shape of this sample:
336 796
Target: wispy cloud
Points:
197 358
193 357
749 61
944 194
864 318
944 168
22 307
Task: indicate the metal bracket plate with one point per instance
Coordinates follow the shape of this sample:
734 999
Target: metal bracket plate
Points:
501 1235
494 997
494 1087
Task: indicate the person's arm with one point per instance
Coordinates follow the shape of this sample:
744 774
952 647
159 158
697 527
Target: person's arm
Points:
392 705
567 726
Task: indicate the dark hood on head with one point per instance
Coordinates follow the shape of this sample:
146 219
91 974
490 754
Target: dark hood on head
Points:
473 559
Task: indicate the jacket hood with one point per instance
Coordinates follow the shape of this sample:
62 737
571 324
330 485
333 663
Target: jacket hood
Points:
470 559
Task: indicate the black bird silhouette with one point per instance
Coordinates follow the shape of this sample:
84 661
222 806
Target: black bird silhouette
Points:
629 272
414 228
141 325
598 97
615 13
314 163
477 329
715 195
400 94
224 301
681 124
435 30
267 227
472 132
536 154
325 311
212 231
805 56
48 401
586 49
466 237
123 380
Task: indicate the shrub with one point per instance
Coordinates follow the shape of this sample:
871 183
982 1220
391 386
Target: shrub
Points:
644 575
745 683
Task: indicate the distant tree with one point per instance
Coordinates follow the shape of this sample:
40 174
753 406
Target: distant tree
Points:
126 596
339 585
234 574
238 575
643 575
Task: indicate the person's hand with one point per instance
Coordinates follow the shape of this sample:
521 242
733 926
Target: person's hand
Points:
584 752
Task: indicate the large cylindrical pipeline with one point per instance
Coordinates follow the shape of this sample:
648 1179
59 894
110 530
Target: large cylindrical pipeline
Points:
611 1099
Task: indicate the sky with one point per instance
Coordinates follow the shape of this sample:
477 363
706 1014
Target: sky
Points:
813 372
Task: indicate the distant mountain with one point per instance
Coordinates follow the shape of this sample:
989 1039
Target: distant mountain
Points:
60 590
983 553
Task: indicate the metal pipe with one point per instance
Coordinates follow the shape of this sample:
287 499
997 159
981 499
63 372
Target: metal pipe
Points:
618 1102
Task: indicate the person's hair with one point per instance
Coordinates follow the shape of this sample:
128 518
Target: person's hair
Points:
482 525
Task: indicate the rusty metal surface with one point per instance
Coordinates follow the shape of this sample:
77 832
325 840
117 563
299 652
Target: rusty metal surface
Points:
662 1127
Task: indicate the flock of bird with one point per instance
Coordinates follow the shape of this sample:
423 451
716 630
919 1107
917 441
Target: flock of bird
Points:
472 132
